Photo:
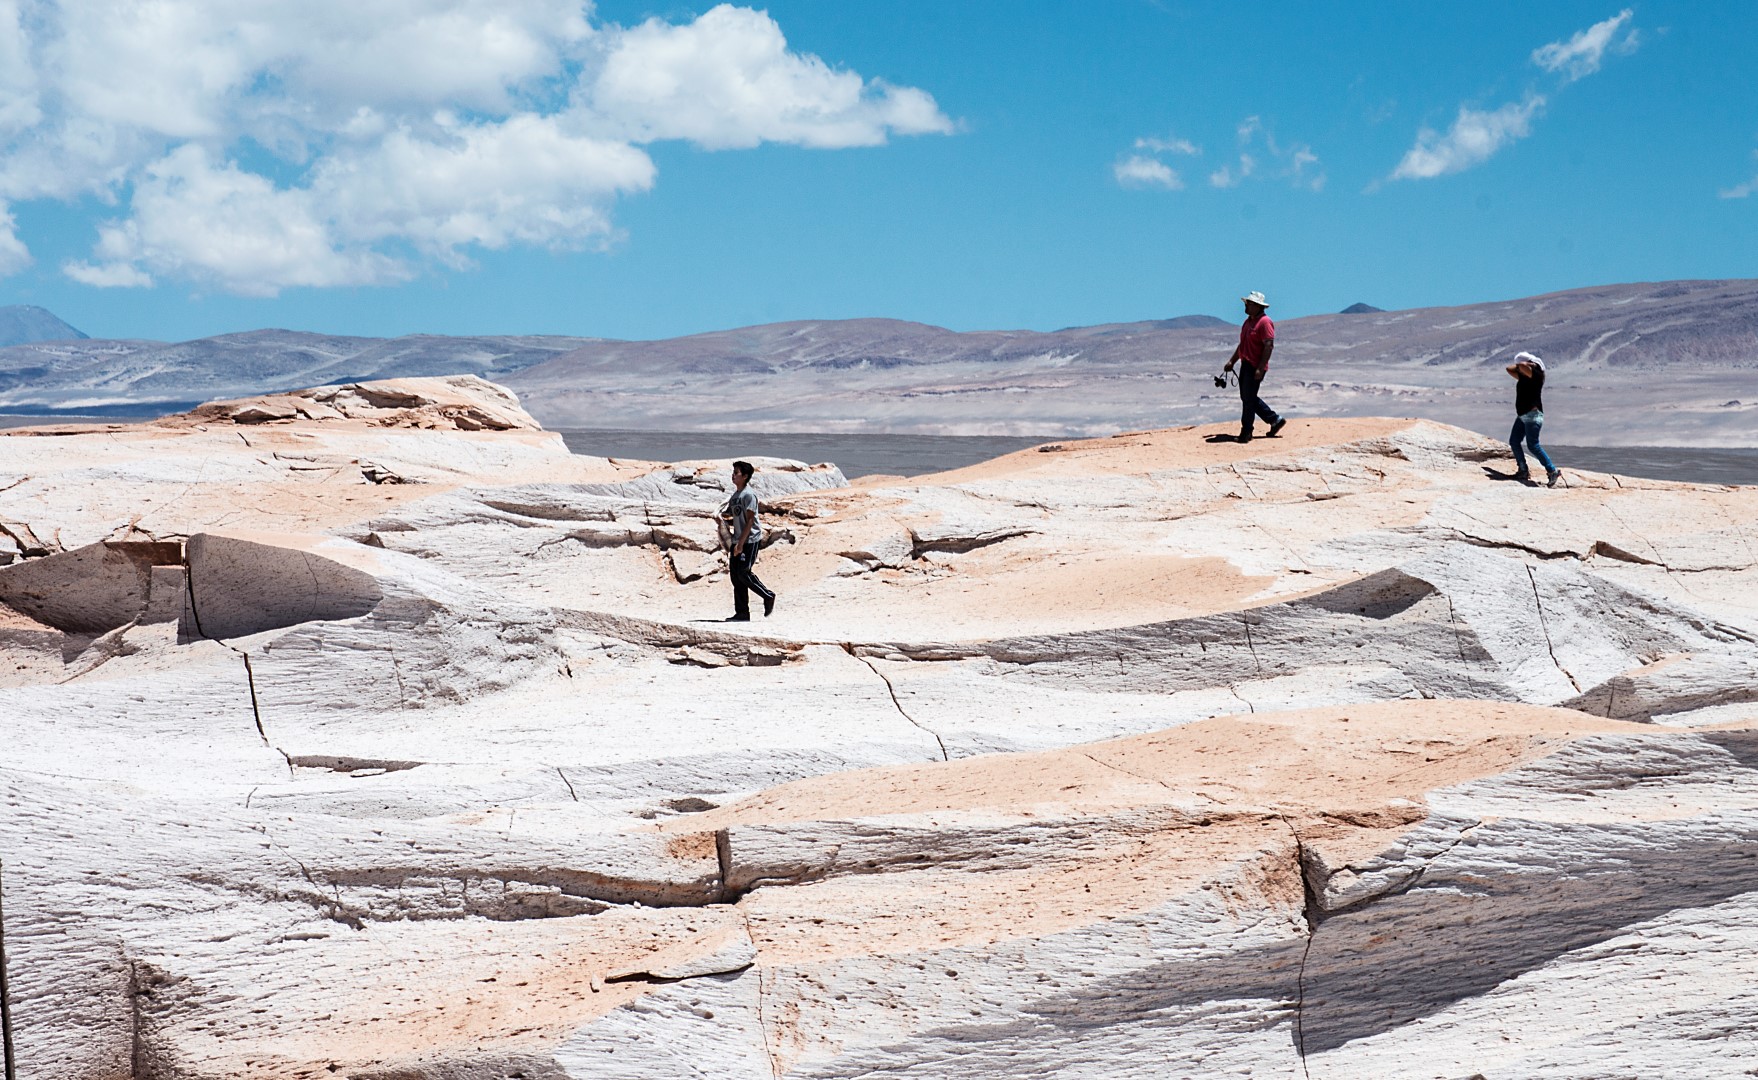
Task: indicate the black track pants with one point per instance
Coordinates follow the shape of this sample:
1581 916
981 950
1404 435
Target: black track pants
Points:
744 581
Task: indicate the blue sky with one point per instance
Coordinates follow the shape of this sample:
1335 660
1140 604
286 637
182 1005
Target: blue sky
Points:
467 166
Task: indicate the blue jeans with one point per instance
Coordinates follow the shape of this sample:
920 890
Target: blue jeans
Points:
1249 381
1527 426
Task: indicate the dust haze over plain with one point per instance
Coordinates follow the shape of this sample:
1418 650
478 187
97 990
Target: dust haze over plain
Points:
1659 364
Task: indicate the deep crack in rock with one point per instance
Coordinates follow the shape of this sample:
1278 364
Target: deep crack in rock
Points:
898 705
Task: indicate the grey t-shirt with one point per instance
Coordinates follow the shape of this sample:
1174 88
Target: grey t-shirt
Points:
736 506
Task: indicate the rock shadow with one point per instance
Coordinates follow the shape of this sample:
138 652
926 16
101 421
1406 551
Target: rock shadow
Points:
1375 968
1743 745
239 587
1495 474
90 590
1379 967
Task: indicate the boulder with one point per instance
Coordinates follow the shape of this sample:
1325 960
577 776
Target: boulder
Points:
455 402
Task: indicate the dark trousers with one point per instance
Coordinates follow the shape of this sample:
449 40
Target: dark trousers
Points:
744 581
1249 381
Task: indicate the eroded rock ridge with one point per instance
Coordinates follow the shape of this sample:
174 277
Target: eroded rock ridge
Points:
366 732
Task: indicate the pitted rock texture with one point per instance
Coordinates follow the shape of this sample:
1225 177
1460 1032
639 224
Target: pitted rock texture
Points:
1324 756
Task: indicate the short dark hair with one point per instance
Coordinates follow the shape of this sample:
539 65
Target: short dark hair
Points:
744 467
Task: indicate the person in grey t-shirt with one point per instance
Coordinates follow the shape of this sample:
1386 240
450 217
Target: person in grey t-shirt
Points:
740 514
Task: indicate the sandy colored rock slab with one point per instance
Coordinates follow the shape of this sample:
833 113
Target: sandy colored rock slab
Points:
457 402
370 744
1298 760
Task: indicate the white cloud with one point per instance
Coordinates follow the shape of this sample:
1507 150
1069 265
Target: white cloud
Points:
522 181
1306 169
488 185
1474 138
395 130
1261 154
201 68
220 225
471 53
1141 172
113 275
18 77
1745 190
1580 56
1144 169
728 80
1230 175
1168 145
1476 135
14 256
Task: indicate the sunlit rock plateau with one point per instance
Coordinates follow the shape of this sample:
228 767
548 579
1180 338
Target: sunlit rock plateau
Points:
366 732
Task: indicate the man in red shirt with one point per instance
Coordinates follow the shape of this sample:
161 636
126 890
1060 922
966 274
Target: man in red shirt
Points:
1257 339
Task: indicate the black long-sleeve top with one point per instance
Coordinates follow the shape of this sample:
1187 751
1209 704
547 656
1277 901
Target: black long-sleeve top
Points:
1529 393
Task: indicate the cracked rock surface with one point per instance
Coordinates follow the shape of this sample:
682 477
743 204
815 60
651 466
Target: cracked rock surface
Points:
366 732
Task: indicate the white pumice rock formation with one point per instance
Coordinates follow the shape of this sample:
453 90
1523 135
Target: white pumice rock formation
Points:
400 744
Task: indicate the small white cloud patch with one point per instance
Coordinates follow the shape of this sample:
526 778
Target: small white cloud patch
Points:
1745 190
1257 147
1145 169
1580 56
1260 153
14 256
1230 175
1141 172
1167 146
1474 137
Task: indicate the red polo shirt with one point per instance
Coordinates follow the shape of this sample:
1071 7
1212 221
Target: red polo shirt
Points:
1253 333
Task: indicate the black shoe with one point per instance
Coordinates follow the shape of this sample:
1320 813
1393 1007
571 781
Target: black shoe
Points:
1244 436
1276 427
737 618
769 605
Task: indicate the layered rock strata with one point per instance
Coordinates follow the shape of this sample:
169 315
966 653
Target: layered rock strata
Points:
1325 756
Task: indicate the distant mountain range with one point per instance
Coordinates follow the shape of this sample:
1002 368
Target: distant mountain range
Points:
124 377
24 323
1668 363
1661 363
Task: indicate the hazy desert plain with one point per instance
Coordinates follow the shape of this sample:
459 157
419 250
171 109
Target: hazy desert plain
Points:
1668 363
367 732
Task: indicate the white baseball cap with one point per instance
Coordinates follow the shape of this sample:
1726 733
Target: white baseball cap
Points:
1255 298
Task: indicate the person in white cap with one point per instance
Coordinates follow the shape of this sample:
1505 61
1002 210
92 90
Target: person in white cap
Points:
1257 339
1528 372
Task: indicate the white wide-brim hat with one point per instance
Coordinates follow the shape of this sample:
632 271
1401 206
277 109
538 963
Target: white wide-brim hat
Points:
1255 298
1529 358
